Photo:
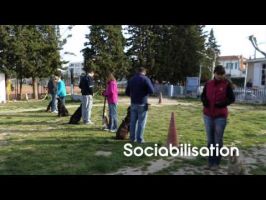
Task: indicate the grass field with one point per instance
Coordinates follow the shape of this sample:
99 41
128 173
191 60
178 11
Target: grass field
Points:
36 142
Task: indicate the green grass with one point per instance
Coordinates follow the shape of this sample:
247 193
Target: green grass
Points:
41 143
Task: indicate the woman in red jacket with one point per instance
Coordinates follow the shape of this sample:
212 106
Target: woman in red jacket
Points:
111 93
217 95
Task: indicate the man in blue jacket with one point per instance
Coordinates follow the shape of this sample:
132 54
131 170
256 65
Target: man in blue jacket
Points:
138 88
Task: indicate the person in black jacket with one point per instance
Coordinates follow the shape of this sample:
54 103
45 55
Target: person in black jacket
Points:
86 85
52 91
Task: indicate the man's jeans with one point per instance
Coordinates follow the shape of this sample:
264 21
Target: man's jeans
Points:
215 131
138 118
86 108
53 105
113 117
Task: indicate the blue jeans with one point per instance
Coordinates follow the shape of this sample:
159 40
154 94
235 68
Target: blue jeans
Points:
138 118
112 116
87 101
53 106
215 131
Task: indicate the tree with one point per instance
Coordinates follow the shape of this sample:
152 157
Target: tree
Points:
104 52
29 51
212 51
169 52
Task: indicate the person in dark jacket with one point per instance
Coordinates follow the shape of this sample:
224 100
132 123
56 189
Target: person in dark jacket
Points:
138 88
86 85
216 96
52 90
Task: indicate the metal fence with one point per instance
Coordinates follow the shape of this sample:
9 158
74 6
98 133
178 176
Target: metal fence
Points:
243 95
246 95
174 91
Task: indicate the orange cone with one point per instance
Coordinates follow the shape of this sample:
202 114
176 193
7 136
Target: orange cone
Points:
160 98
172 133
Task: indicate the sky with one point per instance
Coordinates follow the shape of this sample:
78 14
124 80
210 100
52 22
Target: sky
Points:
233 40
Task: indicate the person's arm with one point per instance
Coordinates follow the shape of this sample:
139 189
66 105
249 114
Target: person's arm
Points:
107 92
90 85
59 88
203 97
230 98
81 83
128 89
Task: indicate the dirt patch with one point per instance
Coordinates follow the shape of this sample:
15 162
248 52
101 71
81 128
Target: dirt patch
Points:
154 166
103 153
251 159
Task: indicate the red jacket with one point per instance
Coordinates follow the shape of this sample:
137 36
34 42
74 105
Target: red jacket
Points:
216 96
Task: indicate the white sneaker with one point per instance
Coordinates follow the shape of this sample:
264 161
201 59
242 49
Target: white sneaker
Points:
55 111
113 131
89 122
106 129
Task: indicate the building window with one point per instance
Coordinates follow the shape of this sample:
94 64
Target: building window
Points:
236 65
263 74
229 65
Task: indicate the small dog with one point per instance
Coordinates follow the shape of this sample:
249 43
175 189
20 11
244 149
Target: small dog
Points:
123 129
75 118
62 111
235 165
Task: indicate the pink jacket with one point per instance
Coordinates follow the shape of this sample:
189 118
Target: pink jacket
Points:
111 92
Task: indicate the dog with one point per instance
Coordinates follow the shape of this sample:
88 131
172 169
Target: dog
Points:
75 118
49 106
235 165
62 111
122 132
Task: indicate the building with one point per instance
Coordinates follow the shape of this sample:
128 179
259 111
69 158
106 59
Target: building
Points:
77 69
256 72
235 66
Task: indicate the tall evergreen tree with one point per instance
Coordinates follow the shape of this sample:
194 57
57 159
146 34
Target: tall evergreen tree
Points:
169 52
104 52
212 51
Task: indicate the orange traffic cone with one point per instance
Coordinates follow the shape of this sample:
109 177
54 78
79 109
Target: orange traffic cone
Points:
160 98
172 133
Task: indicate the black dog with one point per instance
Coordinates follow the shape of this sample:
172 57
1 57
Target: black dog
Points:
75 118
62 111
123 129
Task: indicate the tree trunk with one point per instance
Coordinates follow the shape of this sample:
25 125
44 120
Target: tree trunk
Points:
34 87
17 97
20 89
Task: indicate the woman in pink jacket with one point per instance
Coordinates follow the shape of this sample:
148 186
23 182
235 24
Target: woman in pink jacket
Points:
111 93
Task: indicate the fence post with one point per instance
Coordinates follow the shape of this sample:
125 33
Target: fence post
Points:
170 90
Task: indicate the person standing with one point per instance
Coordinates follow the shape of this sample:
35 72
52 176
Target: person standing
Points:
111 93
52 91
138 88
61 89
86 85
216 96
